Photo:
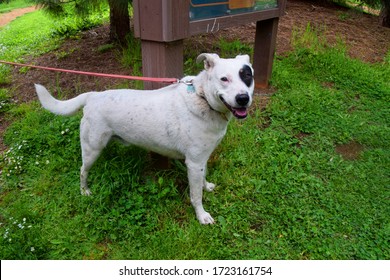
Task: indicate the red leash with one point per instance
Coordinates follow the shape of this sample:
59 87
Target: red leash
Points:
136 78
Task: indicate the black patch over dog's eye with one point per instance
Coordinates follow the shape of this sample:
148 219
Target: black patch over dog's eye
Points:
246 75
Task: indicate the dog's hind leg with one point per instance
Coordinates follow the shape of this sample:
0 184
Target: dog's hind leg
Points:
93 141
196 178
89 157
207 186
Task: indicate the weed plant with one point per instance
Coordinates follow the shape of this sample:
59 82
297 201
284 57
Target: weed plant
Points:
283 192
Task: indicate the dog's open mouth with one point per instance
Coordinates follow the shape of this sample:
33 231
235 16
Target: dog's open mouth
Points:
238 112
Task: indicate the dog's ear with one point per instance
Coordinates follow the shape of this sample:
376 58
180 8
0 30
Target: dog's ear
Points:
244 57
208 59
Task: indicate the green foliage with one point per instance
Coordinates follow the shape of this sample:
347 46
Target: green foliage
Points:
35 34
371 3
70 25
20 237
29 34
5 101
7 6
5 78
228 49
130 57
119 11
60 8
106 48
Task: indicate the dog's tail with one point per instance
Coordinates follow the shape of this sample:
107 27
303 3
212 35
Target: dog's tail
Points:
65 108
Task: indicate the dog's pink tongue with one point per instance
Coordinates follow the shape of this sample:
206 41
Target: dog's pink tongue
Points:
240 113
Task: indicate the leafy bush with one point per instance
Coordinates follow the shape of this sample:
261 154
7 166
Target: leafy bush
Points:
71 25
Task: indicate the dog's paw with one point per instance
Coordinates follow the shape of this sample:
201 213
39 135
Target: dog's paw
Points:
209 187
205 219
86 192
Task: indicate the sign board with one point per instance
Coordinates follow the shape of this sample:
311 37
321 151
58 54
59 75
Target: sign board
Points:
205 9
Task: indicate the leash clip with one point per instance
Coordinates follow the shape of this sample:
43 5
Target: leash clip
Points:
189 84
186 82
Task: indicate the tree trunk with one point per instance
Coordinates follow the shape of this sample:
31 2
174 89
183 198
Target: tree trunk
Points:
384 16
119 20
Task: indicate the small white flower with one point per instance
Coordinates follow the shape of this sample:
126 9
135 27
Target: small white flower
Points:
36 163
32 249
47 161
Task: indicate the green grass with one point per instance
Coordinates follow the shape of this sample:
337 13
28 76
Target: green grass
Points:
283 192
33 34
30 32
13 4
28 35
36 33
130 57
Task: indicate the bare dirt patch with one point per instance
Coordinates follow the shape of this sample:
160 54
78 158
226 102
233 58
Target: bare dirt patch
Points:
8 17
350 151
362 34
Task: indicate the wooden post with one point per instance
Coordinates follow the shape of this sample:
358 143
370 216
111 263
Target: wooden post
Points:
161 59
264 50
162 25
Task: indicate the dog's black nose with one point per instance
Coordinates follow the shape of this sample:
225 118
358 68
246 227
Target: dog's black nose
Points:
242 99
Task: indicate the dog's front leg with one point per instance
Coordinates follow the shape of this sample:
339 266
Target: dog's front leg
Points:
196 178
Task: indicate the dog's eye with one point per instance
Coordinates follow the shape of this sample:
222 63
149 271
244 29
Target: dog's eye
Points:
224 79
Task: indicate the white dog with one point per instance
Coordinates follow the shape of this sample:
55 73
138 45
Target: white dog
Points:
186 120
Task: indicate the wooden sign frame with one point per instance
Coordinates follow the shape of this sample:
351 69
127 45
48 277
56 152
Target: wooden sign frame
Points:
162 26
